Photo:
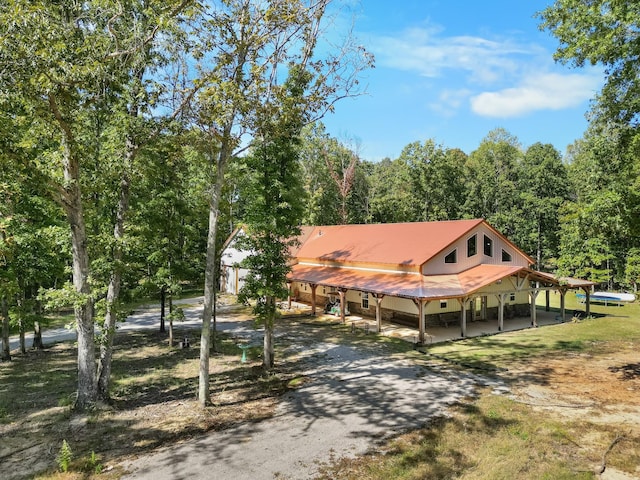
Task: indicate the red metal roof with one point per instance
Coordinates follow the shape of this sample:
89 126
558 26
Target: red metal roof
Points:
405 244
408 285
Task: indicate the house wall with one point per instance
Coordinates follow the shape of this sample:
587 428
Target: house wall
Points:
232 275
438 266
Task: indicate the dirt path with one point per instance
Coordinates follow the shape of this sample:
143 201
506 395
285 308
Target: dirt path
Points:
356 398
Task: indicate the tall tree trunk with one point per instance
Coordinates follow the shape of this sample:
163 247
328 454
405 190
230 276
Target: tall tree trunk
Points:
4 313
170 321
210 268
23 343
37 336
268 351
87 385
71 201
163 299
113 291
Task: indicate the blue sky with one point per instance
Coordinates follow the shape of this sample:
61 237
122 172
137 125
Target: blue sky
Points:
453 70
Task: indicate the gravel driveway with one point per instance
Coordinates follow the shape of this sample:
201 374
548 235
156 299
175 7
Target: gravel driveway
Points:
356 398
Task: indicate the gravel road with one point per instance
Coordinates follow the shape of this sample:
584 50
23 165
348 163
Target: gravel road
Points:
355 399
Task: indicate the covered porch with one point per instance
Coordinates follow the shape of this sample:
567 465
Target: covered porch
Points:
471 290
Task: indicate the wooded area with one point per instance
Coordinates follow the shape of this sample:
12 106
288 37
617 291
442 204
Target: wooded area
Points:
130 136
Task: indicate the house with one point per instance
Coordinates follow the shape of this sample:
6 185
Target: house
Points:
420 274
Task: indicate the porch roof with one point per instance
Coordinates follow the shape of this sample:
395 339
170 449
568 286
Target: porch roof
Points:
412 284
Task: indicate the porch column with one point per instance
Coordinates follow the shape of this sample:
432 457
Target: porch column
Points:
547 294
378 297
532 295
420 304
463 317
483 307
500 298
289 294
343 295
472 306
587 300
563 292
313 298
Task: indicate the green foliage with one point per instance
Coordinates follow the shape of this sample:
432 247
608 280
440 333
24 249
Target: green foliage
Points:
274 194
601 32
65 455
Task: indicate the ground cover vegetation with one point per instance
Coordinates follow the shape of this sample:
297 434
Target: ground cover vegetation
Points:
572 390
127 129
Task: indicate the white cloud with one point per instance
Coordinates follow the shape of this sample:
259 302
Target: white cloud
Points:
546 91
449 101
423 51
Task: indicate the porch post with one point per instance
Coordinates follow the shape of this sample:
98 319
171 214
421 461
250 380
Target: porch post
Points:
343 295
547 294
562 308
378 297
483 307
532 295
313 286
420 304
500 297
463 317
289 294
472 306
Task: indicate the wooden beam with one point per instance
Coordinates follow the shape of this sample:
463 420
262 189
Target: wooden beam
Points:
463 317
378 298
313 286
343 295
533 295
500 297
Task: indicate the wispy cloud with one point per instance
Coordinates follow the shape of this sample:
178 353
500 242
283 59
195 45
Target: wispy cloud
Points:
546 91
424 51
492 76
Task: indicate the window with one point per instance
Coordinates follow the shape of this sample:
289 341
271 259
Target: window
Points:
443 304
512 297
365 300
472 246
324 290
452 257
506 256
488 246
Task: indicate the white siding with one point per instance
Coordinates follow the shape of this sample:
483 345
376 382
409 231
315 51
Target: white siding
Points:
437 265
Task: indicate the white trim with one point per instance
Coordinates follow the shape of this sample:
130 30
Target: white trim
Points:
362 269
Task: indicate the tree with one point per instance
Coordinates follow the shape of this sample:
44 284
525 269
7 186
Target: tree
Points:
543 188
390 199
601 32
596 225
437 179
274 196
491 181
70 66
244 47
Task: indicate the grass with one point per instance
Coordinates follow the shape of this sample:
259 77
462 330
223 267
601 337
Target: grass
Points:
499 437
489 436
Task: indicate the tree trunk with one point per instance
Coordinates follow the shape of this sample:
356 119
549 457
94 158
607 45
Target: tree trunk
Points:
87 385
163 299
210 269
4 313
113 292
23 343
71 201
268 352
170 322
37 336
